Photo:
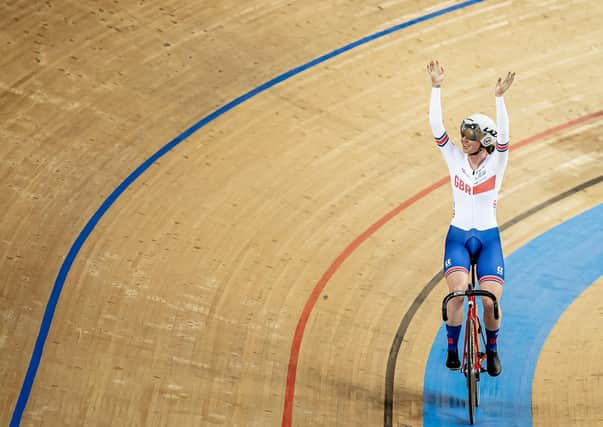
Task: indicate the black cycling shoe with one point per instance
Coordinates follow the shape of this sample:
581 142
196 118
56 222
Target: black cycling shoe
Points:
453 362
494 365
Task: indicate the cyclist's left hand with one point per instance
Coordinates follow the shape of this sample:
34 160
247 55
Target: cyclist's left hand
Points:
503 85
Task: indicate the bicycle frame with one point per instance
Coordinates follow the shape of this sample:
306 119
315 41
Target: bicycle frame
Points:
473 357
472 332
470 293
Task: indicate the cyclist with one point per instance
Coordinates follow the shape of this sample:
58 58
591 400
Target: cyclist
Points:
476 171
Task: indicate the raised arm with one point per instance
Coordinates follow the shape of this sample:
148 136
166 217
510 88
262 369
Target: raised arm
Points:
436 72
502 118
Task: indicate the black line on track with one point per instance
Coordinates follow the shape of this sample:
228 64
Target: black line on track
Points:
388 406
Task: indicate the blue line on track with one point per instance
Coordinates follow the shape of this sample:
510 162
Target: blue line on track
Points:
542 279
83 236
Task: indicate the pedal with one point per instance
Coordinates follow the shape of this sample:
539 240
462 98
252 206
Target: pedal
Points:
483 358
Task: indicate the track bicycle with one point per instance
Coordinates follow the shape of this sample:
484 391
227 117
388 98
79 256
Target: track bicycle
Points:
474 355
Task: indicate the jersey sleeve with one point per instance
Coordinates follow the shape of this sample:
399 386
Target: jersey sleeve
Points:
502 138
448 150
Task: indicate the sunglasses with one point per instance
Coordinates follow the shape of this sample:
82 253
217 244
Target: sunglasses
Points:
471 131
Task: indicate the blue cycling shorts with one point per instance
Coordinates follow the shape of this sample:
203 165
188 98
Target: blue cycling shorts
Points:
484 245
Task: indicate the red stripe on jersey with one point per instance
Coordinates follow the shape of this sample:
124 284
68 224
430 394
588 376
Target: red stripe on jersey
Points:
442 141
485 186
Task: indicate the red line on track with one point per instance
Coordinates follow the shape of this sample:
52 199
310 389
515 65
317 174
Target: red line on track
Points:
319 287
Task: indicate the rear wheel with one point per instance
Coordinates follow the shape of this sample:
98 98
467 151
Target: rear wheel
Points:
471 373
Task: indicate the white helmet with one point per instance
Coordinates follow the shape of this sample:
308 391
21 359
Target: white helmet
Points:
479 127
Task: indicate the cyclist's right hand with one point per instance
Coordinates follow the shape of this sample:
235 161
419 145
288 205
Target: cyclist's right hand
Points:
436 72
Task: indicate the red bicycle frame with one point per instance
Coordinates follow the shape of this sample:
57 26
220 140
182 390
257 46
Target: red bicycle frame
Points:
471 366
472 317
473 330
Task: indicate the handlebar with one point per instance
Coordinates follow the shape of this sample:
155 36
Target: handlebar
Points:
473 292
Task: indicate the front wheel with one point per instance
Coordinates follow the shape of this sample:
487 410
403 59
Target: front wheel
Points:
471 372
477 391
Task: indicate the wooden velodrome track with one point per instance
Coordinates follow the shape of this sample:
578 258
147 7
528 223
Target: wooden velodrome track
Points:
251 276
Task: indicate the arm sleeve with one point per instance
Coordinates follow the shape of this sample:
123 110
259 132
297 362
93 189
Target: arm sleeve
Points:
502 120
435 113
502 139
437 126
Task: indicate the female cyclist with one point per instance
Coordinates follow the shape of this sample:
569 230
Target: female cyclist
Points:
476 172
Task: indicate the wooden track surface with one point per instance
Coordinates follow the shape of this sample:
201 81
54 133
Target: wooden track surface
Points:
575 344
181 307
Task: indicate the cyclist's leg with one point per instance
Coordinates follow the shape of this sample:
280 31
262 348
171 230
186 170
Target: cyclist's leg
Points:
456 263
496 288
456 271
490 272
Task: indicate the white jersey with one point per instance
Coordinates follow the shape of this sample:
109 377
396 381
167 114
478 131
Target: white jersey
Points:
474 192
